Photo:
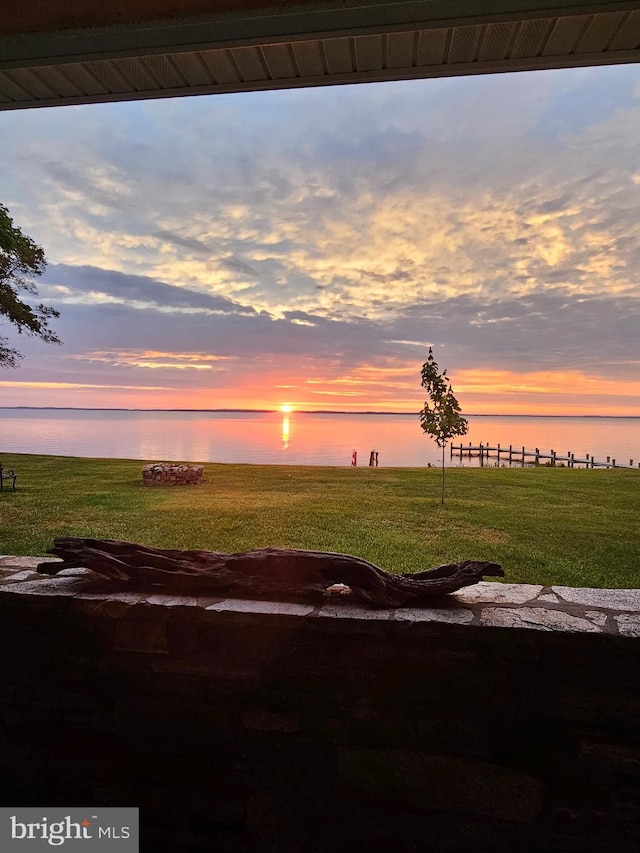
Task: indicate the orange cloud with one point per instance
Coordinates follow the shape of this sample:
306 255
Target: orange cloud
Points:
565 383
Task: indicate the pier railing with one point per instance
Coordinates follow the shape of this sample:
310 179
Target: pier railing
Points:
520 455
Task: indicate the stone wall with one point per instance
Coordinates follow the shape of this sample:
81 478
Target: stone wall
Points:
505 719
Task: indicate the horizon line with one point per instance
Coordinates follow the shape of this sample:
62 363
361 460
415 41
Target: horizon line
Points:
294 410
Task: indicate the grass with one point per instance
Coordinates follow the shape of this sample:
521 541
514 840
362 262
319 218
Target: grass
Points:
572 527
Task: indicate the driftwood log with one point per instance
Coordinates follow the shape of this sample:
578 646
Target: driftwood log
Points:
266 573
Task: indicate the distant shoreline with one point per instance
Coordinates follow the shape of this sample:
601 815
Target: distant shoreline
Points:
295 411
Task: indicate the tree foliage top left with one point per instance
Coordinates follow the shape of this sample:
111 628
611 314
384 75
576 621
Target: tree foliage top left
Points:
21 258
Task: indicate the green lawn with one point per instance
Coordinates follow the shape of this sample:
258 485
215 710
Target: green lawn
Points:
550 526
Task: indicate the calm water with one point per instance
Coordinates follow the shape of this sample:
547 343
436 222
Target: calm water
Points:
297 438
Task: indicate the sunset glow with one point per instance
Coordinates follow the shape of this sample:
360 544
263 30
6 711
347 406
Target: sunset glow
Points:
494 218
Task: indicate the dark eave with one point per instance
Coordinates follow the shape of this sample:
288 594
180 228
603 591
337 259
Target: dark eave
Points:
83 52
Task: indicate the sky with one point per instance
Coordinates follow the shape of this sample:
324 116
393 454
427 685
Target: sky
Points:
307 247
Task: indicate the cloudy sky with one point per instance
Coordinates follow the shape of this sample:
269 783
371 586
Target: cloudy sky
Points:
307 247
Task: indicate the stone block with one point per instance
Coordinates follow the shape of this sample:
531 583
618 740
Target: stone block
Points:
446 736
628 624
172 600
26 563
141 637
613 756
262 720
44 586
76 573
490 592
215 671
277 608
7 571
440 783
450 615
539 619
25 575
344 612
601 599
177 724
182 637
114 605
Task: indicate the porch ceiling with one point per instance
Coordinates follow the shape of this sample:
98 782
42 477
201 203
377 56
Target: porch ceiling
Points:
53 53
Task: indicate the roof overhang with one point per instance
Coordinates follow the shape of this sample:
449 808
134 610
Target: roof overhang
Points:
55 53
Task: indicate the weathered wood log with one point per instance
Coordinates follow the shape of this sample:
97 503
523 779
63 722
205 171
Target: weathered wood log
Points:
266 573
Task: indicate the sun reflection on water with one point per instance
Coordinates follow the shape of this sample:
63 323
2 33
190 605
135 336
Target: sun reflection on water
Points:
285 430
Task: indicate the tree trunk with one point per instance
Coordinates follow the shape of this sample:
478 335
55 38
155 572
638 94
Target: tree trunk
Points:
267 573
442 498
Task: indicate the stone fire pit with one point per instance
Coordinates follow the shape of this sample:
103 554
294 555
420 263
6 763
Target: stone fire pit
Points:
171 474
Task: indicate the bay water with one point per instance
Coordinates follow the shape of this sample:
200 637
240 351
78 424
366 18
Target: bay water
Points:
300 438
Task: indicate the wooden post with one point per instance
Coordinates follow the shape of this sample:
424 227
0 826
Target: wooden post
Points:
498 454
613 463
553 458
510 454
523 456
537 455
354 457
481 455
571 460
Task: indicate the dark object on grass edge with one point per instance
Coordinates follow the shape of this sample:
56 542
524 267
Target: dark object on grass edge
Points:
275 574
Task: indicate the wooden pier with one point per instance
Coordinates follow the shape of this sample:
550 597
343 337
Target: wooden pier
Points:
521 456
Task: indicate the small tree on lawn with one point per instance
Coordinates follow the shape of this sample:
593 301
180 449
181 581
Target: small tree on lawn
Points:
440 417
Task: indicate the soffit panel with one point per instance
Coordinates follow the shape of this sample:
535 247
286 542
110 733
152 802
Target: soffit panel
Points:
554 41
